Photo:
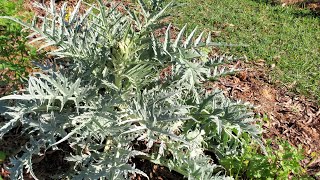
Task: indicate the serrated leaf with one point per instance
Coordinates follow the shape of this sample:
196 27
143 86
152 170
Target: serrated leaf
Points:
187 43
179 37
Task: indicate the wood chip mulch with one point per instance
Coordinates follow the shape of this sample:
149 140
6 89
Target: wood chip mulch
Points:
292 117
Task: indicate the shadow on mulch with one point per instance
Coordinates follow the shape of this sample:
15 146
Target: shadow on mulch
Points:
154 171
51 163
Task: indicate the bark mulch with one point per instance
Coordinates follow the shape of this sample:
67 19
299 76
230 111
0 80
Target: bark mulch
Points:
292 117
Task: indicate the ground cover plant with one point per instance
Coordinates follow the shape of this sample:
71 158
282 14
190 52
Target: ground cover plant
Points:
286 38
117 91
282 162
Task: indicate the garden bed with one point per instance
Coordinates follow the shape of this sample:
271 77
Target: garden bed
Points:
288 116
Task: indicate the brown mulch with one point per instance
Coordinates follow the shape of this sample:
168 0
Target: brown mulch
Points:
291 116
313 5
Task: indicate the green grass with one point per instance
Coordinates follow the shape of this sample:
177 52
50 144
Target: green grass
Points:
14 8
284 36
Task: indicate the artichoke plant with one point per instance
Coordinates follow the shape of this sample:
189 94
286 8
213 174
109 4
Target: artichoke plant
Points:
106 91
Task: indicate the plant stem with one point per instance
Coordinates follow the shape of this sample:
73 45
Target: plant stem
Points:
118 80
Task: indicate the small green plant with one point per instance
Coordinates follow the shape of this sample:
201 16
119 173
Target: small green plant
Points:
15 54
2 156
281 162
117 84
